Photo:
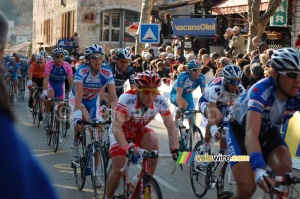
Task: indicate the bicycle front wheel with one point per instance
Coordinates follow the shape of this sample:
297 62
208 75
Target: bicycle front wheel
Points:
151 188
78 166
55 136
198 174
99 178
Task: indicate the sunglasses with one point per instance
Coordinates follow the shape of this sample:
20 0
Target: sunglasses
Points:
59 56
196 70
233 82
124 61
96 57
291 75
153 92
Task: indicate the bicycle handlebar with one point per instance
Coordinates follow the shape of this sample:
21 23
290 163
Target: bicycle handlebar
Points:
93 122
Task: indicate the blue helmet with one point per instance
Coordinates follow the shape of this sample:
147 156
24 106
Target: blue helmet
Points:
43 53
94 48
193 64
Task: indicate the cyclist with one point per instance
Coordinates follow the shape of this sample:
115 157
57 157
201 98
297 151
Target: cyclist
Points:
181 93
84 96
44 54
122 71
24 66
253 130
134 110
213 104
14 72
54 81
35 77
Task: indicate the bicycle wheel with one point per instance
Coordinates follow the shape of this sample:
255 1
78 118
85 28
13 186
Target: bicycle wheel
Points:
38 112
63 121
198 174
34 114
100 176
79 166
55 135
22 87
197 133
49 129
225 195
11 93
151 188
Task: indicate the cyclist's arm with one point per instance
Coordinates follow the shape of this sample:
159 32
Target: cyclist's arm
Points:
117 130
252 132
179 99
45 82
112 95
78 90
29 75
70 81
212 113
172 131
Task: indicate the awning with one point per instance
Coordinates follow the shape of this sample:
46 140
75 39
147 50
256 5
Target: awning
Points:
167 6
17 48
235 6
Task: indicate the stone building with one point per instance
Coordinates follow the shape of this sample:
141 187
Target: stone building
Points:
104 22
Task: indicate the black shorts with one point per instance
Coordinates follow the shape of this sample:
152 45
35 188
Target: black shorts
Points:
38 81
236 141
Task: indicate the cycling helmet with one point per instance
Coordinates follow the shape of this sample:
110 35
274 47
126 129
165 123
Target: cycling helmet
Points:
82 58
12 59
43 53
39 58
7 58
232 71
57 51
285 58
94 48
193 64
68 59
147 79
66 53
23 61
122 54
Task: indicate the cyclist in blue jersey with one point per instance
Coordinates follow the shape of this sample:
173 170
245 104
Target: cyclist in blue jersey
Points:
181 93
214 103
13 73
54 81
90 78
253 125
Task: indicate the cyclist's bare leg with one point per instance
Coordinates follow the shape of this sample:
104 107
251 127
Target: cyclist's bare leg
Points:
184 106
79 128
114 178
32 91
280 160
48 103
15 86
244 178
150 142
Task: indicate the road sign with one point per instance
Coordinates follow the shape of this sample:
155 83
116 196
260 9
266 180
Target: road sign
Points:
149 33
280 16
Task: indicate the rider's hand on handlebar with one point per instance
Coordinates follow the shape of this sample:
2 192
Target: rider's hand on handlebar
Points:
175 154
263 179
214 132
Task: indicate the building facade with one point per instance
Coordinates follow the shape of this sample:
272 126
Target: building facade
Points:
83 22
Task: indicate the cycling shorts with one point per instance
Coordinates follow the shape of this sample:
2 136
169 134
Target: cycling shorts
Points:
134 137
92 106
188 98
235 138
38 81
58 88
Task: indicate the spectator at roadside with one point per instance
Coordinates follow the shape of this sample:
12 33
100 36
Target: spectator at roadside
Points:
237 41
257 73
164 30
179 56
208 74
255 41
247 73
201 51
190 57
238 57
162 70
206 62
221 63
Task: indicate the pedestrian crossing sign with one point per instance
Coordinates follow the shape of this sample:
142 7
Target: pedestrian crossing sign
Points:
149 33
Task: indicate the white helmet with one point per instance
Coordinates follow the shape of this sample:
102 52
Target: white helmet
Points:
232 71
285 58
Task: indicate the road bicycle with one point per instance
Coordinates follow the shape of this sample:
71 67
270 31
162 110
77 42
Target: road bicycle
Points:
52 129
22 86
89 156
285 187
146 185
10 90
105 143
36 110
212 175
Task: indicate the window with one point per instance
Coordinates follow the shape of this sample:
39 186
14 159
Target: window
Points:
63 2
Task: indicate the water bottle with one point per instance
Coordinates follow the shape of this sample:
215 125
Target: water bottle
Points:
133 184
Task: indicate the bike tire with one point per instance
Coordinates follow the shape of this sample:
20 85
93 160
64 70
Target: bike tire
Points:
151 188
225 195
55 135
49 129
63 122
79 172
99 191
38 112
198 175
34 114
22 86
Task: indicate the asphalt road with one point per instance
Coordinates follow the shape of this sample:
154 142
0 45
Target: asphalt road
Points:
57 165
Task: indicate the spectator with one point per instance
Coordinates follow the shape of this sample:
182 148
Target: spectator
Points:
164 30
169 49
208 74
221 63
201 52
160 50
147 60
227 49
138 65
190 57
263 60
254 57
169 23
238 57
171 61
206 62
255 41
162 71
151 51
297 43
237 42
257 73
179 55
269 53
163 56
247 74
262 46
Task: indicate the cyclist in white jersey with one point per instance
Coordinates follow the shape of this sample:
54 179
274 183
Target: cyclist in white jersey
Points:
134 110
213 104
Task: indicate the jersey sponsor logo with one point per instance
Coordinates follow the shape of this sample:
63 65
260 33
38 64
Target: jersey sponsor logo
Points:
162 102
218 91
216 80
105 72
84 71
129 101
265 94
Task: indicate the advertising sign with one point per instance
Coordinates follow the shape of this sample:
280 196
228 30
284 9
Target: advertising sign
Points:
65 43
280 16
195 26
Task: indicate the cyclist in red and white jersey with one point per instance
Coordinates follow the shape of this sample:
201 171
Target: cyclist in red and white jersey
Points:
134 110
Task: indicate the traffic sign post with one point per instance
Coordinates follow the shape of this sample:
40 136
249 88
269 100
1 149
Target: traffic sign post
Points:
149 33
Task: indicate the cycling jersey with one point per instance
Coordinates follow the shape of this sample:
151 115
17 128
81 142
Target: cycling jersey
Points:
184 81
92 85
121 77
57 77
37 71
13 70
261 97
136 121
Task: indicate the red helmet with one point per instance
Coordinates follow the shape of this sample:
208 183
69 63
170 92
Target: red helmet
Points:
147 79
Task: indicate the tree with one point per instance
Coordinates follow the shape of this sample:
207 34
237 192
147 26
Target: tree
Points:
145 17
257 22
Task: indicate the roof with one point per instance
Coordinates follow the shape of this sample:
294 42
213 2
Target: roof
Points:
235 6
167 6
17 48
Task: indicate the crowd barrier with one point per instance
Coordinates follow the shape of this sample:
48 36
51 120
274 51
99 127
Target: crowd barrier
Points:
290 131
